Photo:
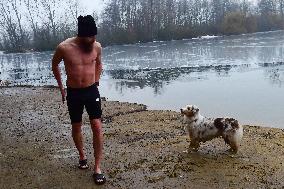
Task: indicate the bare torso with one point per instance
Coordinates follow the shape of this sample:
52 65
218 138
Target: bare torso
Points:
80 66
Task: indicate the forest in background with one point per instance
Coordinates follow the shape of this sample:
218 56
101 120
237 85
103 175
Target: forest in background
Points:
40 25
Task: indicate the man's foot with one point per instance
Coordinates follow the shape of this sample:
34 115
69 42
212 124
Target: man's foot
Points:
99 178
83 164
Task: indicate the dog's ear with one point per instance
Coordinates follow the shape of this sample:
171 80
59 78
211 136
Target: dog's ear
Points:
195 109
188 107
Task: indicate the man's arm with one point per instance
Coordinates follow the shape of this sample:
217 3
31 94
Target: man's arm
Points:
57 58
99 65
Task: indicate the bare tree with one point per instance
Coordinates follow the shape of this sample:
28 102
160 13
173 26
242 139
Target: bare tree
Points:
15 37
14 4
281 8
33 14
50 10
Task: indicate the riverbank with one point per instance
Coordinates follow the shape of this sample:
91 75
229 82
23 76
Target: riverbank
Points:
143 149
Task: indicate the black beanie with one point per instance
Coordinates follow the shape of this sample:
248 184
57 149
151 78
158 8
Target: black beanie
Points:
87 26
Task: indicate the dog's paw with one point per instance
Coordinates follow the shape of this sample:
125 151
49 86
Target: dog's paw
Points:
191 150
232 151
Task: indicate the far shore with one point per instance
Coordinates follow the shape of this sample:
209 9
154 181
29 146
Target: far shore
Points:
205 36
143 148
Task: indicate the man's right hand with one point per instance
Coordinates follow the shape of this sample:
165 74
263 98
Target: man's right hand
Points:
63 94
57 57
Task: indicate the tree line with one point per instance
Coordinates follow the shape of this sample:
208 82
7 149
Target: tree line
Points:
41 24
128 21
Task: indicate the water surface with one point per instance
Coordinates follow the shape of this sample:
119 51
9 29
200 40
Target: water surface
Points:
240 76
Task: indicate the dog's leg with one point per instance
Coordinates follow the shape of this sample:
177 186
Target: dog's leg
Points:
229 139
232 143
193 146
234 147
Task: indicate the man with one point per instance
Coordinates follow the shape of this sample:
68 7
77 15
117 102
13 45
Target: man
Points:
82 61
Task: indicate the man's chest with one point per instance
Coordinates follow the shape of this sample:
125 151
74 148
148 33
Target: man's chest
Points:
72 57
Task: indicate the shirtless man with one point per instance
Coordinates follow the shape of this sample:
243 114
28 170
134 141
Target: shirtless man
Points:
82 61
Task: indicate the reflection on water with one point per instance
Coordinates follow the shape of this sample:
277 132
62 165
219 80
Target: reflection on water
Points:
157 78
227 73
26 68
275 76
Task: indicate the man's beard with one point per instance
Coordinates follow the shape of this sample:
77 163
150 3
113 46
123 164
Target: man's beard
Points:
86 47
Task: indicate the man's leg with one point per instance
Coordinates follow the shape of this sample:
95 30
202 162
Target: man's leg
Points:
96 126
93 107
78 139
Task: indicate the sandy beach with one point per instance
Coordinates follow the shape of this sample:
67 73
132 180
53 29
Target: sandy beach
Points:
142 148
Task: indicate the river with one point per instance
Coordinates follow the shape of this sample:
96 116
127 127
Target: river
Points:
238 76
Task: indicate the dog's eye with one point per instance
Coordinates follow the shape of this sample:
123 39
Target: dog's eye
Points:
188 108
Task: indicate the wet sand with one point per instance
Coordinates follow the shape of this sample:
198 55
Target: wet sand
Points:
142 149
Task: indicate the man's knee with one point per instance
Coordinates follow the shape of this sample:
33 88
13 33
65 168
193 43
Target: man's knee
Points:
96 125
76 127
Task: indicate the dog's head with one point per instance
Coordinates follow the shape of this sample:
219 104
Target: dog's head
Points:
190 111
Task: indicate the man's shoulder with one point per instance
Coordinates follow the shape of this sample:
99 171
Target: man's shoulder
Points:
98 47
66 43
98 44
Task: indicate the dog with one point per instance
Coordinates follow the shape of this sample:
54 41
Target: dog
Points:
202 129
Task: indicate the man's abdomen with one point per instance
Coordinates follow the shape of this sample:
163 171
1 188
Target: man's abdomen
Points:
81 78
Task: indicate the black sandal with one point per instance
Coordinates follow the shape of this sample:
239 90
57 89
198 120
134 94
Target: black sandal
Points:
83 164
99 178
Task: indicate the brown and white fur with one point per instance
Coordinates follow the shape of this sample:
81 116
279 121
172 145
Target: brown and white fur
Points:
202 129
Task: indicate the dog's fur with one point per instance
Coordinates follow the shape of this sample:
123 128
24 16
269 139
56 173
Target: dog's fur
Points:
202 129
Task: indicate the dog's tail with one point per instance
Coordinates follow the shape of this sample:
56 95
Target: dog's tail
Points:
238 135
234 123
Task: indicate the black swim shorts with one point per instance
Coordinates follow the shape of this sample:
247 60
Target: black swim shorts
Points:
88 97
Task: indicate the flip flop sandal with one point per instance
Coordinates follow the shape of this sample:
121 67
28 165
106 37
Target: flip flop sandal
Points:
99 179
83 164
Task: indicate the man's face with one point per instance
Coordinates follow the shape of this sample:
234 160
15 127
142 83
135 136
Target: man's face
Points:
87 43
88 40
